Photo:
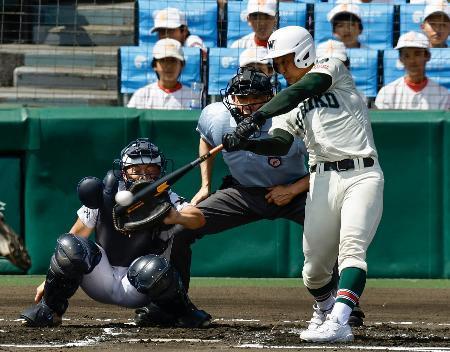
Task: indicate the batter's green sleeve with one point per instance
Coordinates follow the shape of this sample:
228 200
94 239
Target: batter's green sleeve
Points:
278 145
310 85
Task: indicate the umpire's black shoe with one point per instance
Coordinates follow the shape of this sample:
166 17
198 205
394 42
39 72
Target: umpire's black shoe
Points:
40 316
153 315
356 318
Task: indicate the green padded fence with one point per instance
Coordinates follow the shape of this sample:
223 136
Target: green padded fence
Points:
54 148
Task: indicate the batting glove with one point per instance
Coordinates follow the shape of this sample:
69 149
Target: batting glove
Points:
232 142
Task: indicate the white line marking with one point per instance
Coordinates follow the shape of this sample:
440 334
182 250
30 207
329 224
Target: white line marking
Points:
239 320
342 347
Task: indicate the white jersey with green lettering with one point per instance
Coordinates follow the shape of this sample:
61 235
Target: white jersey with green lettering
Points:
334 125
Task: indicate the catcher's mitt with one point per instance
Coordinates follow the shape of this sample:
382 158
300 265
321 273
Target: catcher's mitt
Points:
11 246
148 215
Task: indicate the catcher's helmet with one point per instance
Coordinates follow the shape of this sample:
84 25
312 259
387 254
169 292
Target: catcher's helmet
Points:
292 39
247 81
140 152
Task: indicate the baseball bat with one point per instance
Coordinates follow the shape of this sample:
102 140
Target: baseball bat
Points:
164 183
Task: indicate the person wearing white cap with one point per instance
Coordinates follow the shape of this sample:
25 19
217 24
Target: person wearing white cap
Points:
167 92
333 48
255 57
436 23
262 17
347 24
414 91
323 107
171 23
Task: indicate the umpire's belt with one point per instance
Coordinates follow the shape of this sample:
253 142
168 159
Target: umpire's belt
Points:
342 165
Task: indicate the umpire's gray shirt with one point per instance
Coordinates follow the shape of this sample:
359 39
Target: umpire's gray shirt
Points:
250 169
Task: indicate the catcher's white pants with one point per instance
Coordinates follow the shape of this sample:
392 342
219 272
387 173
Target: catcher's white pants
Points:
343 210
109 284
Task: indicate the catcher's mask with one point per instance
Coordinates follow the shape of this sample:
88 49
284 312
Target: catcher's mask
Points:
247 82
136 161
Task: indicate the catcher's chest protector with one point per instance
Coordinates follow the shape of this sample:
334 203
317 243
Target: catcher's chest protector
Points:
120 249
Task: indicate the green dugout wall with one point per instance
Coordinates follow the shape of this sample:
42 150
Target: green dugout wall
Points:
45 152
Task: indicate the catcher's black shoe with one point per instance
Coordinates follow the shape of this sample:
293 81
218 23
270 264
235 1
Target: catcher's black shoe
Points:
153 315
194 318
40 316
356 318
11 246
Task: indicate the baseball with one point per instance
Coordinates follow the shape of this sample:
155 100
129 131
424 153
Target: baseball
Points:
124 198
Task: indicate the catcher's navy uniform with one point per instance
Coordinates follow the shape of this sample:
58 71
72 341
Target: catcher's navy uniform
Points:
128 270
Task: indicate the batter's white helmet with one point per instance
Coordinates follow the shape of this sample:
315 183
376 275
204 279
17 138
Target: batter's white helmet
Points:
292 39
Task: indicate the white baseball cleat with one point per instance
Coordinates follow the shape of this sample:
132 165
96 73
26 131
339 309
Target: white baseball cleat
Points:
318 317
330 331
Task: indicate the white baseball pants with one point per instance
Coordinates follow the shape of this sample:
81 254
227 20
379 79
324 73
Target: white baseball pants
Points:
343 210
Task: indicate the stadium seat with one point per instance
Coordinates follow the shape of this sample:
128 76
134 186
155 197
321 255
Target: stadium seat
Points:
136 67
411 17
438 68
364 69
292 14
223 64
394 2
201 17
377 19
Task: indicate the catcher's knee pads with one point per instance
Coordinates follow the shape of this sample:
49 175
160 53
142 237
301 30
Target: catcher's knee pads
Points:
154 276
74 257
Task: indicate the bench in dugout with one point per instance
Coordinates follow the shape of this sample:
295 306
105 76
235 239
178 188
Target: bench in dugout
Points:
290 14
377 20
201 18
136 68
411 17
437 69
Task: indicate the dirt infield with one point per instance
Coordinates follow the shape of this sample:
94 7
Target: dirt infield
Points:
244 319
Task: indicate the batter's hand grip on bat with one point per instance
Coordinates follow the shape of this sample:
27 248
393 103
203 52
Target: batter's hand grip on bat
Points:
164 183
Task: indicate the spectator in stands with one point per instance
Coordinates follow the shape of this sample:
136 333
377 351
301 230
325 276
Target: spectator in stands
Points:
262 17
436 24
167 92
414 91
171 23
347 24
255 57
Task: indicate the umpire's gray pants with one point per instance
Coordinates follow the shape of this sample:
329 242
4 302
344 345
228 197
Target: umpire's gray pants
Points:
226 209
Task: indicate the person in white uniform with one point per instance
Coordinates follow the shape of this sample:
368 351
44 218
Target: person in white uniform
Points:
347 24
168 92
262 17
126 270
345 199
171 23
436 23
414 91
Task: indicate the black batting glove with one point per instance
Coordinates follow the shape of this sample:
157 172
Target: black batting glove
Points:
258 118
232 142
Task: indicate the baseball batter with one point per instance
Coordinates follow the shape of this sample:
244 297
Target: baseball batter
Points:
128 271
345 199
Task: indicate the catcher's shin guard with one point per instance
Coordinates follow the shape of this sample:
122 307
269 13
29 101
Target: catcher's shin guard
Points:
74 257
152 275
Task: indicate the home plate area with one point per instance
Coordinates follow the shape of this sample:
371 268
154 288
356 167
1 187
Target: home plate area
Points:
244 318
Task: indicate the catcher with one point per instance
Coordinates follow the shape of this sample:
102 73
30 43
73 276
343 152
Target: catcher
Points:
11 245
126 265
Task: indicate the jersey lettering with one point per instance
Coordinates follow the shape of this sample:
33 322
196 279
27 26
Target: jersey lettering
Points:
318 101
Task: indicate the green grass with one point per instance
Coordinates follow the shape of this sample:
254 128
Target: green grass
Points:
34 280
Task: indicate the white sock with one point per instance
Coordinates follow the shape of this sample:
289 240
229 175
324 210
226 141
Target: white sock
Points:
327 304
342 312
